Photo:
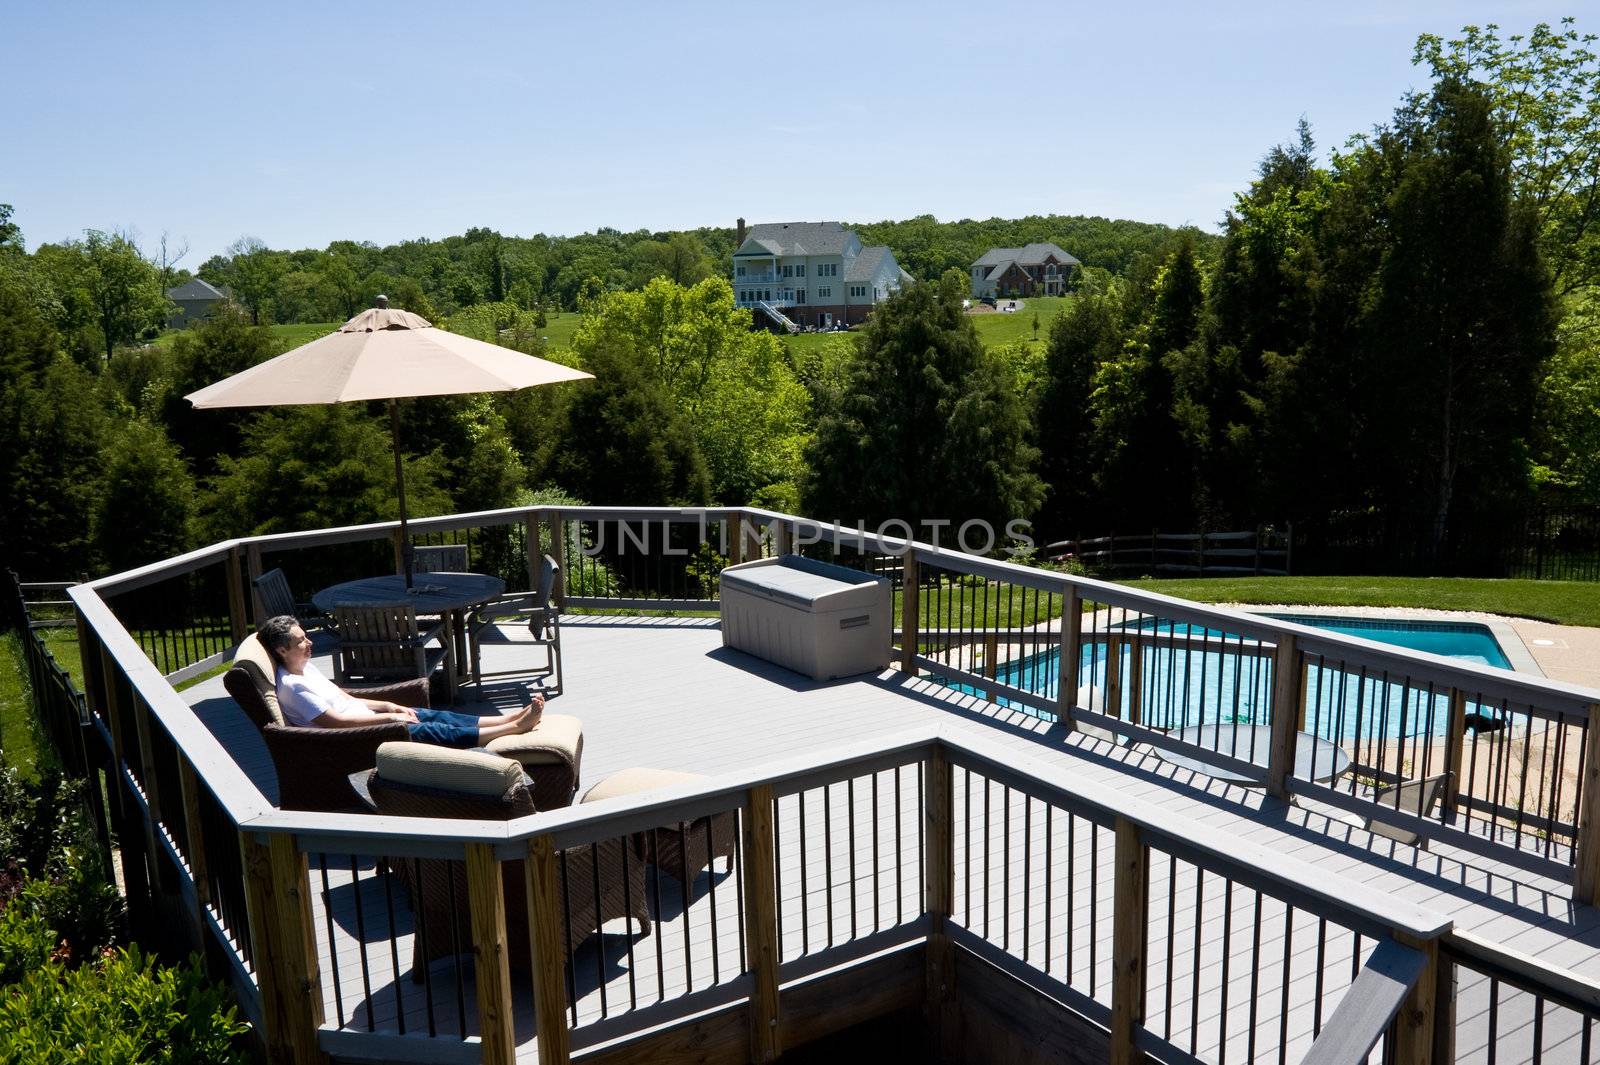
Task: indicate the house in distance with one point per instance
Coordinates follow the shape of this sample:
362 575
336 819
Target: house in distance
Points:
1034 270
195 299
811 275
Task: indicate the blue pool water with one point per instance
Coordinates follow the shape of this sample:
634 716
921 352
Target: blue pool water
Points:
1213 677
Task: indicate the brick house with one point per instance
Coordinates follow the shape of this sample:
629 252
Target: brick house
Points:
811 274
1035 270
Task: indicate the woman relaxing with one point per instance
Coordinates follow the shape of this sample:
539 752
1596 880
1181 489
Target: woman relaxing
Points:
308 698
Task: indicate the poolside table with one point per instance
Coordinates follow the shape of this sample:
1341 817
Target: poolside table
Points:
1315 759
448 594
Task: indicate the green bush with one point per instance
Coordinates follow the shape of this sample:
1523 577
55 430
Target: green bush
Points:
124 1009
26 942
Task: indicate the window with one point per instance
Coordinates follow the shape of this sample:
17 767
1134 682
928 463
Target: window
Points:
858 291
828 270
824 292
800 271
800 294
788 271
738 271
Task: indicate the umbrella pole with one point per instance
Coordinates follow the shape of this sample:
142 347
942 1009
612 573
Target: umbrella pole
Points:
400 485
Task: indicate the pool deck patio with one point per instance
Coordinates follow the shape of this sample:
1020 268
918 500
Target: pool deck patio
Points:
663 692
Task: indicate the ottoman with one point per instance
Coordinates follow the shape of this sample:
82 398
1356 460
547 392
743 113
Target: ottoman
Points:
679 854
551 754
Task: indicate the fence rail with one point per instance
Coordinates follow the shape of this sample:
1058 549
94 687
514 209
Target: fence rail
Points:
813 881
1259 552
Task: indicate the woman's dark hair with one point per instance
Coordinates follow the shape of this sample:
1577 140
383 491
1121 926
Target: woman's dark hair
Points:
274 634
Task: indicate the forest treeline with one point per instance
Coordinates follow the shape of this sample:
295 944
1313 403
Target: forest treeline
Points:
1402 337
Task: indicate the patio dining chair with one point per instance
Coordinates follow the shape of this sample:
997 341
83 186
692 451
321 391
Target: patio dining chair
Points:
384 643
542 616
420 780
273 598
439 558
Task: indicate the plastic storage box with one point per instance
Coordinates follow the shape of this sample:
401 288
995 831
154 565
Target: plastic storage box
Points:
815 618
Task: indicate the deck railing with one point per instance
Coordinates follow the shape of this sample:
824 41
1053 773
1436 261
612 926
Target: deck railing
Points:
265 890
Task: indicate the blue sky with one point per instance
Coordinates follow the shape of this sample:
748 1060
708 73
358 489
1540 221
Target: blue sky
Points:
306 123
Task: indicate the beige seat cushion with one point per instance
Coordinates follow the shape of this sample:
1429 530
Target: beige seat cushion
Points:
257 662
430 766
557 738
631 781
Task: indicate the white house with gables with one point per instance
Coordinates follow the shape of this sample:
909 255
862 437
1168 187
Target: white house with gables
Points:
797 275
1033 270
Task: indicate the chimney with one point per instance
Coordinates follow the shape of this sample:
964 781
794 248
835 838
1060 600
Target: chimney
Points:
738 234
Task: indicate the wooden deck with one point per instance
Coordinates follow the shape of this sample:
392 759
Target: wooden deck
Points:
663 692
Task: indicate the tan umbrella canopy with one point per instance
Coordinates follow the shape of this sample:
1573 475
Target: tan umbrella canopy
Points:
383 353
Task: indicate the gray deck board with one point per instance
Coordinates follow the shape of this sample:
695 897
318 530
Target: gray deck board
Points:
665 693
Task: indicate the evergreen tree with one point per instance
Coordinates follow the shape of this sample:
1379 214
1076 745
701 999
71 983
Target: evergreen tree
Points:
927 424
1083 337
145 499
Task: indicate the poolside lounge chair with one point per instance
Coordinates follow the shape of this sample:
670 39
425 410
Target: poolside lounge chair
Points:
1414 797
313 764
606 879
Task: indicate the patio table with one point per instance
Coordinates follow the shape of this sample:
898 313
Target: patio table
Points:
450 595
1315 759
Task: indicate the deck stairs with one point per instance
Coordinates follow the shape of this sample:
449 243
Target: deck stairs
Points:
778 317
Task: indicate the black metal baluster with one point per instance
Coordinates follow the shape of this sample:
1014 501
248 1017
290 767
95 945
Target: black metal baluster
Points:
394 953
333 946
1227 940
361 945
711 881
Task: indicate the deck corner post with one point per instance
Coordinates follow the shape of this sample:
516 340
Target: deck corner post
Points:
1413 1035
1455 751
238 622
491 954
278 905
1113 703
1286 685
761 925
910 614
939 874
1586 860
252 569
548 943
1129 918
1071 638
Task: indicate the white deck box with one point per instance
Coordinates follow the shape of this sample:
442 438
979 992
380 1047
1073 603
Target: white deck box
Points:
815 618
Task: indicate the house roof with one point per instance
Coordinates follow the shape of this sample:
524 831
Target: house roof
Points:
865 266
1031 255
194 289
796 238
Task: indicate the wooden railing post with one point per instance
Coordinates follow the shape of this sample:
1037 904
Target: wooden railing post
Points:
1129 916
761 924
1285 716
910 614
140 874
558 552
486 901
278 903
1071 651
532 548
252 568
549 945
195 847
398 541
238 617
1134 681
1113 703
1455 750
1586 871
1412 1036
782 538
939 874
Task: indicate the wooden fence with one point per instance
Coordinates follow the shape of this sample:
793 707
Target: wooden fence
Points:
1262 552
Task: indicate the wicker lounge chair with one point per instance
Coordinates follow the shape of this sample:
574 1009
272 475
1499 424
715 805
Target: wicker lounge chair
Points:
313 764
680 851
483 786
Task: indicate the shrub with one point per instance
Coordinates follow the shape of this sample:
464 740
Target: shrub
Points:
123 1009
25 944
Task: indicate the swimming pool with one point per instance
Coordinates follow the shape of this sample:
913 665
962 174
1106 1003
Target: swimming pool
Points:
1189 675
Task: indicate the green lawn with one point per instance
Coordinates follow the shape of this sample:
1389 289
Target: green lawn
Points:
22 742
558 329
1562 602
995 330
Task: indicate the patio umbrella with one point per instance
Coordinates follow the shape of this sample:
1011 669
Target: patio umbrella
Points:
383 353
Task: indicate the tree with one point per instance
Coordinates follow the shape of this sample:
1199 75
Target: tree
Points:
54 474
211 351
124 289
1083 337
927 425
252 274
145 500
